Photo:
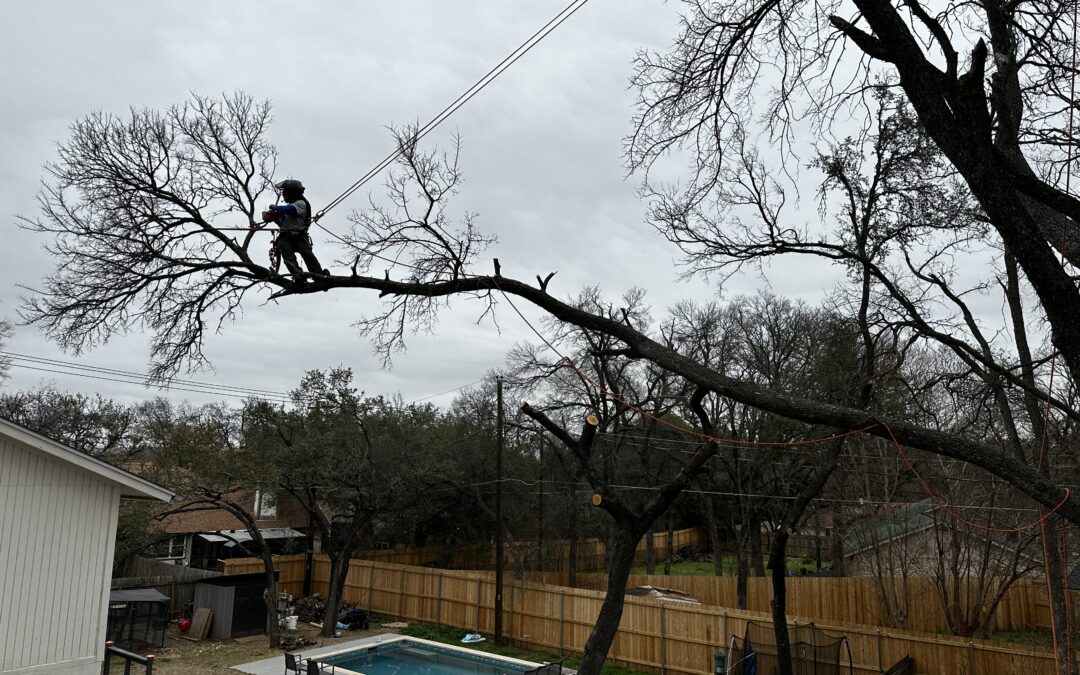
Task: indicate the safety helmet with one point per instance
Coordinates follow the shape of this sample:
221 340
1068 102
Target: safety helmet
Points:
290 185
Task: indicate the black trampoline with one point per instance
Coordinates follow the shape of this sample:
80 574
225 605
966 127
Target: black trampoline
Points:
813 651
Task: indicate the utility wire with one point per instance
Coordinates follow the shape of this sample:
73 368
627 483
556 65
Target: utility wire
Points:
127 373
144 385
461 100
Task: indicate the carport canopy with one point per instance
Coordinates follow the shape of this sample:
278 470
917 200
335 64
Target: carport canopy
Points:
137 595
232 537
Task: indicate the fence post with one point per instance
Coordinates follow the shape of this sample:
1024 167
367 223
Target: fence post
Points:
438 602
370 585
724 636
401 595
971 658
149 664
880 669
562 619
663 651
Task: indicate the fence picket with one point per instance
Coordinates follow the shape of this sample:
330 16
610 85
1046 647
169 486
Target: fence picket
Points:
638 640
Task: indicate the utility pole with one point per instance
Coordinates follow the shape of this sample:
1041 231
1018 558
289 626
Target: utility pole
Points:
498 513
540 537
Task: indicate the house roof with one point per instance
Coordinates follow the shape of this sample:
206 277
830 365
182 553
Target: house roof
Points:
899 521
130 485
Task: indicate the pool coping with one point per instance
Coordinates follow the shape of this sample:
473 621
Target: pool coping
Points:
273 665
395 637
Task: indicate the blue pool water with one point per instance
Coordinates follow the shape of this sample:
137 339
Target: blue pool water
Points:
405 657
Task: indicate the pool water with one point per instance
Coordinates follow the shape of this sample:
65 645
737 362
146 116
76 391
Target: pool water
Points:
405 657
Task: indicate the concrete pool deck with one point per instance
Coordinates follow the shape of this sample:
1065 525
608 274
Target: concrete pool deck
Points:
276 665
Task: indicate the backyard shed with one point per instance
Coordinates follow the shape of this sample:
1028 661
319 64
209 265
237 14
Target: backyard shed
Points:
237 603
58 510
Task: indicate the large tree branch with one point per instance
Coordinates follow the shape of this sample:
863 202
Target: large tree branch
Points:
1024 478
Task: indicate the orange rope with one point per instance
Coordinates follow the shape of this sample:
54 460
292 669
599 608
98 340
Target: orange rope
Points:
690 432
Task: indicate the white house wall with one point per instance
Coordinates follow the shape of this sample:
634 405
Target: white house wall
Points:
57 527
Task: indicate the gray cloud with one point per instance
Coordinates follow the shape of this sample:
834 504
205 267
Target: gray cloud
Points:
542 154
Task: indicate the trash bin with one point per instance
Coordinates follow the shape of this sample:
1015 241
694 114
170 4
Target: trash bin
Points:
719 663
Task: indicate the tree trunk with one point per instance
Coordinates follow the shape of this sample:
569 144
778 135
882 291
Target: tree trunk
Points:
607 623
742 564
778 565
339 570
1055 580
839 567
670 544
273 621
714 536
756 559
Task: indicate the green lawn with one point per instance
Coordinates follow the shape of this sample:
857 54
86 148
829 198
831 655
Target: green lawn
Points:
452 636
705 567
1036 637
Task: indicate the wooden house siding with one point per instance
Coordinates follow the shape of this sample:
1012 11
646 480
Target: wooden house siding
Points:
57 529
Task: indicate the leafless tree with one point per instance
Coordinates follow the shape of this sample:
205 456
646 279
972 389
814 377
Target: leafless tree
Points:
137 209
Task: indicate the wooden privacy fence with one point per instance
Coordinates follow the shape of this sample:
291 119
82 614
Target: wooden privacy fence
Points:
845 599
175 581
653 636
591 553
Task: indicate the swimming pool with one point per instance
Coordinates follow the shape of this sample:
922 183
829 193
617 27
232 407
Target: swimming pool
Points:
412 656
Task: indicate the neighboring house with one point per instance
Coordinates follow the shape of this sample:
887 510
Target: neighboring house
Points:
902 535
202 538
58 512
902 541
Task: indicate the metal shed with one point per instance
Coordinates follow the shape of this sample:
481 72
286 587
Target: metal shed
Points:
237 603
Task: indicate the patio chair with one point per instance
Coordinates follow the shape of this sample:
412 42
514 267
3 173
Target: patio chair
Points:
549 668
316 668
294 663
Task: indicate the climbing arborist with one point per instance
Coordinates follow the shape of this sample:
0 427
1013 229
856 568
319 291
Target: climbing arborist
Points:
293 219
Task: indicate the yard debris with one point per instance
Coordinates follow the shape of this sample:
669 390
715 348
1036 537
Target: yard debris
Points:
395 624
311 609
293 642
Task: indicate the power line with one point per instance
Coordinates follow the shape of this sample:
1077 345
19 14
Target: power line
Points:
141 376
461 100
194 386
145 386
448 391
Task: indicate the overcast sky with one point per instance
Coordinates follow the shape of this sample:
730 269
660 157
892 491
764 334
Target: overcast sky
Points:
542 156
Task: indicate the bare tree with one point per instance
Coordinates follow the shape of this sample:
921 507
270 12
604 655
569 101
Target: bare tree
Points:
130 252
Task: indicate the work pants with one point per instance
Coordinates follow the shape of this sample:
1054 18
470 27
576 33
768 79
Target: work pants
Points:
291 243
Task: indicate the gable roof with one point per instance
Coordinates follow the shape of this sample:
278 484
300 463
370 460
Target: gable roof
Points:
899 521
130 485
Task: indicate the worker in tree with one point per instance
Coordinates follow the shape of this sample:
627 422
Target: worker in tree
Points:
293 218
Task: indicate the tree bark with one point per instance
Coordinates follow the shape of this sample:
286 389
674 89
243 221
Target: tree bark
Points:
607 622
778 605
714 536
339 570
670 544
650 552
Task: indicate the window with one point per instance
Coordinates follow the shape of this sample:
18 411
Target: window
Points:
168 549
265 506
